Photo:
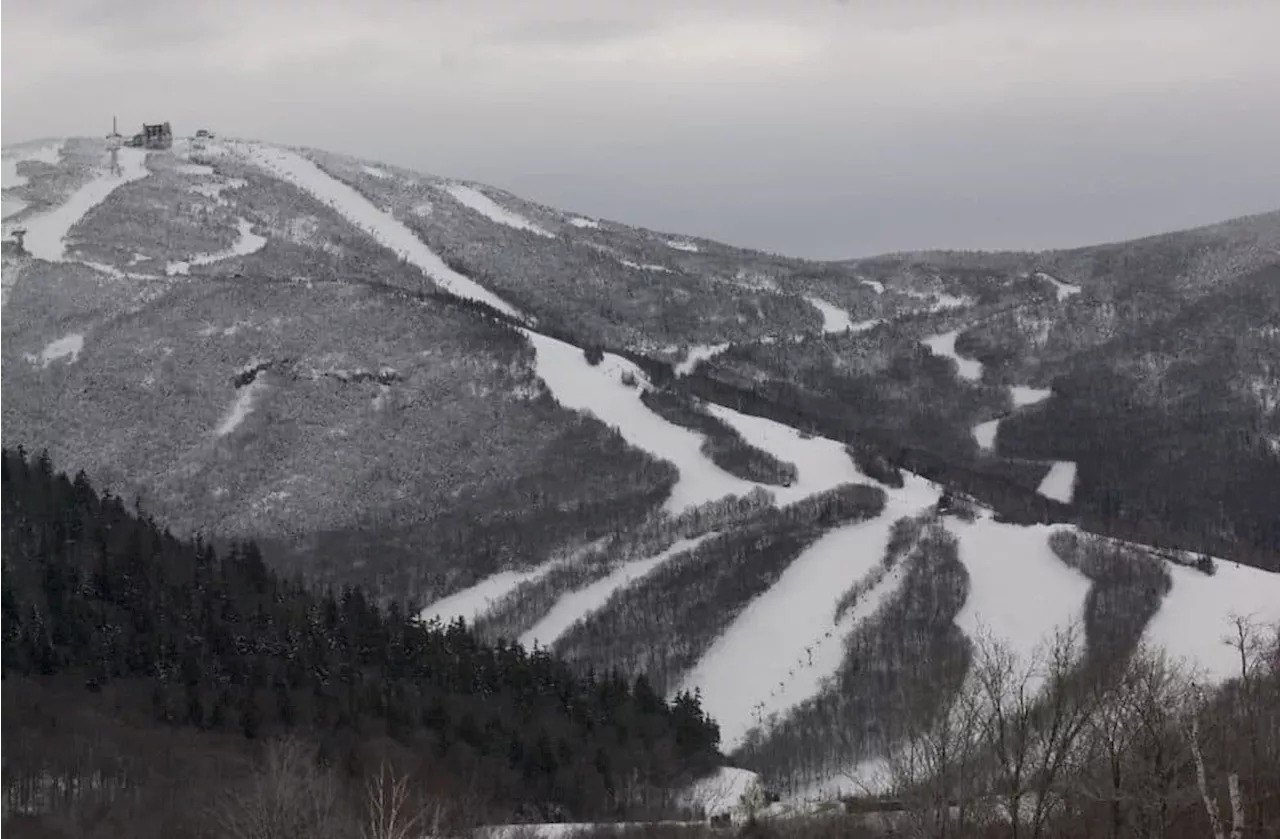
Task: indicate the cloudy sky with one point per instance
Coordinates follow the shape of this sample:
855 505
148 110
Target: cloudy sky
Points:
822 128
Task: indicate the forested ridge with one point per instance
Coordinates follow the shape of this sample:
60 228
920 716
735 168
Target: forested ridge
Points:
178 635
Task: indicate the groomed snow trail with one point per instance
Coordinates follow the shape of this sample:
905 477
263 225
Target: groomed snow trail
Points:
473 602
1064 290
945 346
834 319
476 200
576 605
782 649
47 232
599 390
1025 396
247 242
359 211
1060 482
1020 592
697 355
985 434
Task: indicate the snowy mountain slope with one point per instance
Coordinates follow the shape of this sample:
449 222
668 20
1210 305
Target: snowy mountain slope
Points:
248 339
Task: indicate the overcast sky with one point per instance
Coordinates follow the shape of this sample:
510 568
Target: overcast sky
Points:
814 128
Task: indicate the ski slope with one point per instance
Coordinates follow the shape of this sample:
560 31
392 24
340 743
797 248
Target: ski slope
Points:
985 434
1060 482
576 605
476 200
359 211
1063 290
697 355
834 319
945 345
67 347
247 242
47 232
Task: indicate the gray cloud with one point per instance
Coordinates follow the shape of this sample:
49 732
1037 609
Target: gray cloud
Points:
817 128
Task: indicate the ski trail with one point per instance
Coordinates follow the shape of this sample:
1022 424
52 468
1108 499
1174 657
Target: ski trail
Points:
360 211
945 345
47 232
834 319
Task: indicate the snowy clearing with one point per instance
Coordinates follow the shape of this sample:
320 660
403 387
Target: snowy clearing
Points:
240 408
599 390
576 605
484 205
587 223
47 232
376 172
1064 290
985 434
782 649
67 347
945 345
696 355
1060 482
1195 617
247 243
721 791
1024 396
358 210
646 266
834 319
865 325
1020 592
682 245
875 285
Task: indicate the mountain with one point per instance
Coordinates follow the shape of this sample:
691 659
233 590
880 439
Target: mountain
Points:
804 489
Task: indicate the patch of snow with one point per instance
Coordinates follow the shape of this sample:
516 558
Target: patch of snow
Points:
376 172
1195 617
215 189
599 390
194 169
472 603
67 347
985 434
683 245
649 266
876 285
720 792
46 232
945 345
484 205
11 205
240 408
1064 290
1020 592
697 355
579 221
49 153
423 209
1060 482
382 226
865 325
834 319
786 645
1024 396
576 605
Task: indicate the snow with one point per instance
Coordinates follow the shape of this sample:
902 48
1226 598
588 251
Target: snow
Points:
1060 482
699 354
247 242
1020 592
48 153
590 224
66 347
646 266
473 602
1196 615
376 172
1064 290
484 205
985 434
721 791
240 408
683 245
46 232
834 319
786 644
599 390
12 205
1024 396
876 285
359 211
865 325
576 605
945 345
194 169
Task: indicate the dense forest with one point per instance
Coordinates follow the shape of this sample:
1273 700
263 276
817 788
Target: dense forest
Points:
105 612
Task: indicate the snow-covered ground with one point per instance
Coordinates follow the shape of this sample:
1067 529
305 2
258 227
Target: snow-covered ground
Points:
247 242
720 792
683 245
1025 396
834 319
1060 482
49 152
587 223
358 210
1020 592
647 266
600 391
47 232
473 602
699 354
484 205
67 347
376 172
1064 290
11 205
945 345
985 434
875 285
576 605
782 649
240 408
